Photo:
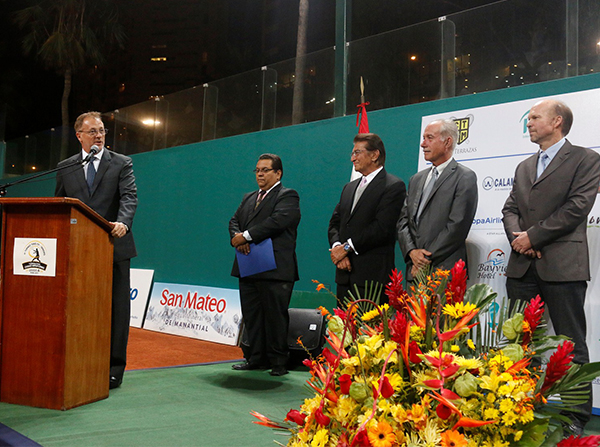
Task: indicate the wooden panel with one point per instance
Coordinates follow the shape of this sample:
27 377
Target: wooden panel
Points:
33 328
87 364
55 331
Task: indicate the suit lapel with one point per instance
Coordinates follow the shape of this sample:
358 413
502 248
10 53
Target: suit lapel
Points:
445 175
560 157
102 168
80 176
254 211
372 188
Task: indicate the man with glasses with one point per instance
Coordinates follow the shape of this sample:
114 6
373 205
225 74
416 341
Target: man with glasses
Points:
107 185
362 229
270 212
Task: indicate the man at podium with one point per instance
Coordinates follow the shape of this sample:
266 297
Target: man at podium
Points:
107 185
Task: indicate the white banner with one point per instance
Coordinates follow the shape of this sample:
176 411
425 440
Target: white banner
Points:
139 292
206 313
34 256
493 141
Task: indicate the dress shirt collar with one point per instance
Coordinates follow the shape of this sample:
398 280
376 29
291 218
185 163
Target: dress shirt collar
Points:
553 150
372 175
269 190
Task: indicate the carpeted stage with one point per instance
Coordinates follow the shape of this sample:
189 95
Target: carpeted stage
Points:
203 402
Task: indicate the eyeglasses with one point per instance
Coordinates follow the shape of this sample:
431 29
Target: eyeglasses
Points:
263 170
356 152
94 132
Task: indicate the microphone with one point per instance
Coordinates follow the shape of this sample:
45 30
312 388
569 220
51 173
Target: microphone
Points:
93 151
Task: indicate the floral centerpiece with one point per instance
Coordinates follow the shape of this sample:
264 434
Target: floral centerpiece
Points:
428 370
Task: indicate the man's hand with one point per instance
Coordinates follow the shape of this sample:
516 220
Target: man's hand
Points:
238 240
419 257
521 244
344 264
414 270
244 248
337 254
119 230
533 253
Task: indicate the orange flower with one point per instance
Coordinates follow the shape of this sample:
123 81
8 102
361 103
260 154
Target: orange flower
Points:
381 435
452 438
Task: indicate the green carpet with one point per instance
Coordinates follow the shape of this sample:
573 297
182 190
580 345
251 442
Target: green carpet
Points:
206 405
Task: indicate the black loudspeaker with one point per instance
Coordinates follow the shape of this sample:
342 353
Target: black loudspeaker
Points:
308 325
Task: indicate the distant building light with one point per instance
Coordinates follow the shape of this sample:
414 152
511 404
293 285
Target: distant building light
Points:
158 59
413 58
150 122
330 101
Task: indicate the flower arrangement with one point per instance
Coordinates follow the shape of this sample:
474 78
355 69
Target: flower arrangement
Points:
427 370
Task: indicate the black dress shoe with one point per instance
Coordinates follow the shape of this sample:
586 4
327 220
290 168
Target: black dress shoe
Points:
114 383
245 366
278 371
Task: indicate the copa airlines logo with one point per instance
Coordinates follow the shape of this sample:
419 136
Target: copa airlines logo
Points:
497 183
494 266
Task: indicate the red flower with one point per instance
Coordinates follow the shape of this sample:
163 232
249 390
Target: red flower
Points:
413 351
458 284
321 418
558 365
331 359
577 441
361 439
345 382
387 390
397 327
443 411
295 416
533 315
395 291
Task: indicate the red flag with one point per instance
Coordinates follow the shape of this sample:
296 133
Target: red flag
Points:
361 118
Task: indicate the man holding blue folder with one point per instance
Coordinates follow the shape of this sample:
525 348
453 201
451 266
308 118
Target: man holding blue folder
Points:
263 231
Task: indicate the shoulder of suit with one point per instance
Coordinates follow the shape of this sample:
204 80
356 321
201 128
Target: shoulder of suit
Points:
71 159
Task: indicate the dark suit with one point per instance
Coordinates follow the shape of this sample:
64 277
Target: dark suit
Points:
446 217
114 197
553 211
371 226
265 297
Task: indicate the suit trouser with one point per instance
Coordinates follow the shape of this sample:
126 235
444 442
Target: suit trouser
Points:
565 302
265 311
121 310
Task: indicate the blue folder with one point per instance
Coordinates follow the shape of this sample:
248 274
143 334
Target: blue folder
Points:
260 259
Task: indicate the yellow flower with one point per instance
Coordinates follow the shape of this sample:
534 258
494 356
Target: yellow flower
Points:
470 344
452 438
507 405
459 310
455 348
374 313
381 435
491 414
320 439
509 418
518 435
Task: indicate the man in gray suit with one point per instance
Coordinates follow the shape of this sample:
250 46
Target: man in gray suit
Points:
440 205
545 221
107 185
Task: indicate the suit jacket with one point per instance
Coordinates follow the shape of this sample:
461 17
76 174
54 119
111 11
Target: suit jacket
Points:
446 217
113 196
277 217
553 210
370 226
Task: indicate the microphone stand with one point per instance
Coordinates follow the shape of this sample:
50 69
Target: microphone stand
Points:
51 171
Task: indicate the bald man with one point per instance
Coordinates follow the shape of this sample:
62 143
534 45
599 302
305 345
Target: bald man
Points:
545 221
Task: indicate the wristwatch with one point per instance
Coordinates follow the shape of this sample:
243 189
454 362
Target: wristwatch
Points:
347 247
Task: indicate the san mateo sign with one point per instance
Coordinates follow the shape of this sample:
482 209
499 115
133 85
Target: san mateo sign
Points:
207 313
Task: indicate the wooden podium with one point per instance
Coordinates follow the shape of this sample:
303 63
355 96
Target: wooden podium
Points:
55 330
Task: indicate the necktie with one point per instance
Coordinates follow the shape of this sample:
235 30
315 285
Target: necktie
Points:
260 197
91 175
544 161
359 191
427 191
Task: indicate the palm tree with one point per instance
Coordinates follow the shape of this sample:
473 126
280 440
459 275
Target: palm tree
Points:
67 35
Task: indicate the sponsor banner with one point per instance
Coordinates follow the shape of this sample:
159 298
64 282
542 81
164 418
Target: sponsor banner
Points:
139 292
206 313
493 140
34 257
